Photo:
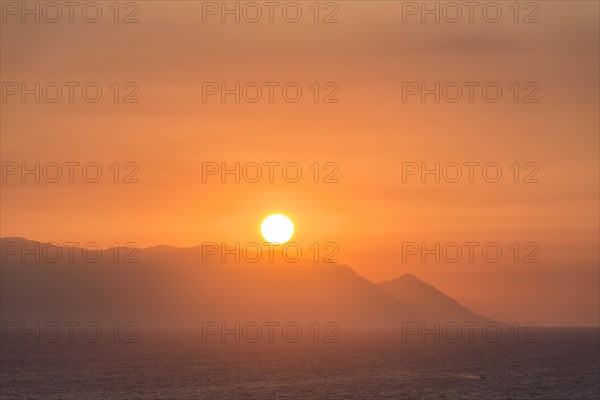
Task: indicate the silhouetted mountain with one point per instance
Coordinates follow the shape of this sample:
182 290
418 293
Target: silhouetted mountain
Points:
171 287
425 300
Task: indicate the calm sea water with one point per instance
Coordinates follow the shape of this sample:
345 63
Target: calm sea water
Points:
564 364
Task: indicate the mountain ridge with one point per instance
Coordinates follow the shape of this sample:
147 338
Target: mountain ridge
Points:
171 288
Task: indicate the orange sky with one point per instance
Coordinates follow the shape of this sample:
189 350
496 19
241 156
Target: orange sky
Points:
369 133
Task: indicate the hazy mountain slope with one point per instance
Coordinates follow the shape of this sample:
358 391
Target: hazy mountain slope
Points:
171 287
427 301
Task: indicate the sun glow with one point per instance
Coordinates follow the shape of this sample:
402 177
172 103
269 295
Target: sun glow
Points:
277 228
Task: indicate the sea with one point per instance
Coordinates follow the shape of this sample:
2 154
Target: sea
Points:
561 363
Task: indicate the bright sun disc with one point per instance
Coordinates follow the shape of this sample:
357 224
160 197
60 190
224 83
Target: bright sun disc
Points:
277 228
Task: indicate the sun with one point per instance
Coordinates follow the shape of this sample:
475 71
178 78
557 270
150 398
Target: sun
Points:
277 228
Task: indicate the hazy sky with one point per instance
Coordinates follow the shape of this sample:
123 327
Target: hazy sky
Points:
366 58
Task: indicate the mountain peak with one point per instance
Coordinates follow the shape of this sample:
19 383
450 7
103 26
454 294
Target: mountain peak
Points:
408 276
426 299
